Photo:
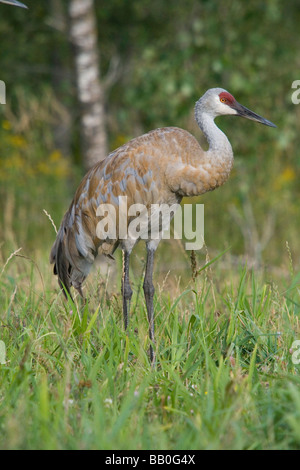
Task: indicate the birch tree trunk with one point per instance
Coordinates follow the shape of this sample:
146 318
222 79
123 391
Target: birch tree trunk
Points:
62 125
83 34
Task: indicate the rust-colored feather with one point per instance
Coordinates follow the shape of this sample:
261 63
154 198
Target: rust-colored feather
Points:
159 167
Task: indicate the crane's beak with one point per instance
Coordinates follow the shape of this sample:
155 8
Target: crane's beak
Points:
246 113
14 2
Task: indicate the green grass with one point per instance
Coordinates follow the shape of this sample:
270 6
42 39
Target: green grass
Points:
72 378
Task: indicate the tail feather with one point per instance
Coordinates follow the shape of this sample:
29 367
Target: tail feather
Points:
72 253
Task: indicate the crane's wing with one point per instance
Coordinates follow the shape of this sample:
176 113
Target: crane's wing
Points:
140 171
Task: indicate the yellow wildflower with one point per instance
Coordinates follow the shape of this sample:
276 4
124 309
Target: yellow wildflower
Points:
55 156
286 176
15 161
43 168
6 125
18 141
61 170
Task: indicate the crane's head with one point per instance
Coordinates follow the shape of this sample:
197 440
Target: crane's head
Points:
218 101
14 2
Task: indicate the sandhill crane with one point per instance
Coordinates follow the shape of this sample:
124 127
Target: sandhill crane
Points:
159 167
14 2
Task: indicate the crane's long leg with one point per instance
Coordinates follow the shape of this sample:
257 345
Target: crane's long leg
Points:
149 293
126 289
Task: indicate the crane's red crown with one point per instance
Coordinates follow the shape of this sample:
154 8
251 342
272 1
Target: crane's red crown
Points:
227 98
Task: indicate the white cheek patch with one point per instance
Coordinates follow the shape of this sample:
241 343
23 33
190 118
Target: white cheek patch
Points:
222 108
230 110
225 109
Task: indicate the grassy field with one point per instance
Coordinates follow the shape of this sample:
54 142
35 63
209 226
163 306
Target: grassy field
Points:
70 378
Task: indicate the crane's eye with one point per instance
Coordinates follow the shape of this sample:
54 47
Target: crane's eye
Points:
223 100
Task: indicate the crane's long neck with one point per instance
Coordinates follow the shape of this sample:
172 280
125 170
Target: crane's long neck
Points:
220 149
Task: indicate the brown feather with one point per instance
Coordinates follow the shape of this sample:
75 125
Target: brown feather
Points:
159 167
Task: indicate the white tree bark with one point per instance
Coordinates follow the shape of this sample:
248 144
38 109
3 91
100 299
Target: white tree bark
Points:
83 34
